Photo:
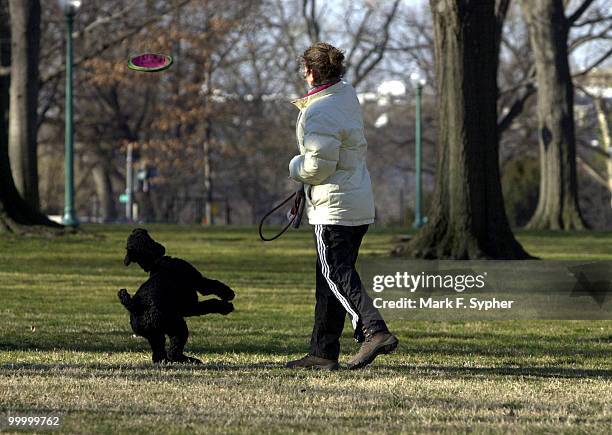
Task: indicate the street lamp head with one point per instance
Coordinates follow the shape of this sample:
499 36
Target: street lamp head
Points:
70 7
416 80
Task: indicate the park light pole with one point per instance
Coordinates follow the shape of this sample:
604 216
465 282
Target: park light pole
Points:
417 83
70 8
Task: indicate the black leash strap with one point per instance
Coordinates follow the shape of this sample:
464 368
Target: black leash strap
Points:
296 214
300 201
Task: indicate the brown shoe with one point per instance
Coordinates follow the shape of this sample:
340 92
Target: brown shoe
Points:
374 345
313 362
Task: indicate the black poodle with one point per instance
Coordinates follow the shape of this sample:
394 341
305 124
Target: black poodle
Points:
158 307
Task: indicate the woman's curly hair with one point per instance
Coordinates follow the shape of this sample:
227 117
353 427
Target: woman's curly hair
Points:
324 61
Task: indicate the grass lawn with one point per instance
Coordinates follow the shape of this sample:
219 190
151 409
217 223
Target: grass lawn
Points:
66 347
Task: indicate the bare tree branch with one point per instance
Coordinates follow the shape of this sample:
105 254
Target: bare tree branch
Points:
603 34
578 12
111 43
289 42
145 110
50 101
595 64
357 37
310 17
596 20
528 84
373 56
102 21
597 150
592 172
407 47
516 108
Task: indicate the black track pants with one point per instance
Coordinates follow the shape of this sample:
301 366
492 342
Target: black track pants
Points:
339 290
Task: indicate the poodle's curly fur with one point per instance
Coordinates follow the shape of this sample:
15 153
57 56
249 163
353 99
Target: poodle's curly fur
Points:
159 306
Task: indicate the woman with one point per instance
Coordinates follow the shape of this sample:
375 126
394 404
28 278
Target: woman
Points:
340 206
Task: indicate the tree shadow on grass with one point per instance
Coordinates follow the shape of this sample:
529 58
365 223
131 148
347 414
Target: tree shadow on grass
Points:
138 371
111 342
285 344
466 346
470 372
152 371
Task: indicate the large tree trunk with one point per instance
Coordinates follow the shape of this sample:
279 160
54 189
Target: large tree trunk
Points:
206 147
208 181
467 220
100 173
606 139
558 200
104 191
15 213
25 37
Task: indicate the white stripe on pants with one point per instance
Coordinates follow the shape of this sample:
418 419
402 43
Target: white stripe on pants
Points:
325 270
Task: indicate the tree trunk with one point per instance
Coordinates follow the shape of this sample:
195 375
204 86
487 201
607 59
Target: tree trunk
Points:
15 213
558 199
208 181
207 153
604 128
25 37
467 220
104 192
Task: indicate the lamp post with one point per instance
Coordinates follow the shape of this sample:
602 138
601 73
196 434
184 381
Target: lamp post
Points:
70 8
417 83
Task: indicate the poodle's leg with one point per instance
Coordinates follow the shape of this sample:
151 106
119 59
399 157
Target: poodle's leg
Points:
210 306
178 334
158 346
209 287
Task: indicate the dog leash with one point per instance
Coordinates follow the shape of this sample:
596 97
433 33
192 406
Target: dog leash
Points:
296 214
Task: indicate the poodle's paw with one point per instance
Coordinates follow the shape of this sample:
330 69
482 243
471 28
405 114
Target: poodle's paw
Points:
224 292
224 307
124 297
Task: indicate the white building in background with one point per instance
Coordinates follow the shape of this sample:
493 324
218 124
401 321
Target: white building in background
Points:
596 84
392 88
387 92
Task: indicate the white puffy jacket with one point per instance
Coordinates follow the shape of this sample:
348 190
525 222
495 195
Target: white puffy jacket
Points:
332 160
